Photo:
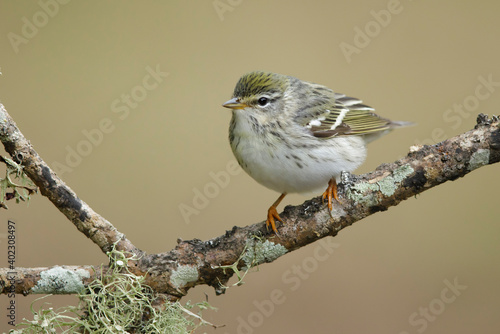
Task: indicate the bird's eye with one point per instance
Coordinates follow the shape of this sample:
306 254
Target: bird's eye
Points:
263 101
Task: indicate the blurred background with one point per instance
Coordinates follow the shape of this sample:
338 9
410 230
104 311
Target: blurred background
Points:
124 100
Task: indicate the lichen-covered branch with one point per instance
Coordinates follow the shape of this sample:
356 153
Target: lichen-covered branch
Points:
214 262
94 226
55 280
197 262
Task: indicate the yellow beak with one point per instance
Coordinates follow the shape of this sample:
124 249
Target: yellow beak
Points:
234 103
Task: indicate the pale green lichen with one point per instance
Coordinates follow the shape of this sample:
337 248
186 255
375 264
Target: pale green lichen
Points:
386 186
479 158
389 184
358 193
17 181
402 172
183 275
258 252
254 253
59 280
117 302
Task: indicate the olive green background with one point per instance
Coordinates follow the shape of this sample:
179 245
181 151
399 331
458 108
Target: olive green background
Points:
71 74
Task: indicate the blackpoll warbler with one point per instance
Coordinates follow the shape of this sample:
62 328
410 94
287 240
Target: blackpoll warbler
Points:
294 136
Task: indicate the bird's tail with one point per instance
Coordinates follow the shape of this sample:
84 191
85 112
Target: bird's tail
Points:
401 124
392 125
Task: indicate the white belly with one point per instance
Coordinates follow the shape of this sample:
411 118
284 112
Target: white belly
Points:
296 169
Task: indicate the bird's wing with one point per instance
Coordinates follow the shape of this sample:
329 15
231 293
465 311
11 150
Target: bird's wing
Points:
347 116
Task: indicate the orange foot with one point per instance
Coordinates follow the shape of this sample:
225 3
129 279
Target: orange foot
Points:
330 192
272 214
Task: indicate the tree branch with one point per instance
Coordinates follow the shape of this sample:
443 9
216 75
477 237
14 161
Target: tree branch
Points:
197 262
86 220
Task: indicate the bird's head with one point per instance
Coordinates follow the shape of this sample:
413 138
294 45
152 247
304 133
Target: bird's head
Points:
259 92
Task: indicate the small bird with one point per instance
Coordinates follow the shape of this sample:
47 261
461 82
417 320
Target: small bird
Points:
294 136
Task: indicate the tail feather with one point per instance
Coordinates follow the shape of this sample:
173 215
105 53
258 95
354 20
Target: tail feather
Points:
393 125
401 124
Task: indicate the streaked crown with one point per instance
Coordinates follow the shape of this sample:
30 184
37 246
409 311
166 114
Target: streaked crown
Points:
259 82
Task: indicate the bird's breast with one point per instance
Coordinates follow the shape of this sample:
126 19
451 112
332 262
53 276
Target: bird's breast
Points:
290 164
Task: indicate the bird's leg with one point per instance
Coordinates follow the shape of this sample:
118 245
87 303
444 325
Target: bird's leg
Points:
272 214
330 192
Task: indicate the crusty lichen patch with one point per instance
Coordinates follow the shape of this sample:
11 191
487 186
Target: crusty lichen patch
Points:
258 252
389 184
479 158
363 192
183 275
358 193
59 280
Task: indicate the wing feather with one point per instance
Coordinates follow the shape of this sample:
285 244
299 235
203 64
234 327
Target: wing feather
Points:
346 116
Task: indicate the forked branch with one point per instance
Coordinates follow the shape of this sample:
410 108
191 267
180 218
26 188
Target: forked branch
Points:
196 262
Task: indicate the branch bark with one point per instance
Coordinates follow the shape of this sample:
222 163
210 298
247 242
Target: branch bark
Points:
86 220
196 262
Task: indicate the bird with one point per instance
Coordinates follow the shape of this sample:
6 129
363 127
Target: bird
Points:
295 136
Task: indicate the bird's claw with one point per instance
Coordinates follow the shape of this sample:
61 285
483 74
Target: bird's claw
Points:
331 192
272 216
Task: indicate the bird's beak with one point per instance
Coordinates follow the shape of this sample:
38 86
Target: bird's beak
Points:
234 103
